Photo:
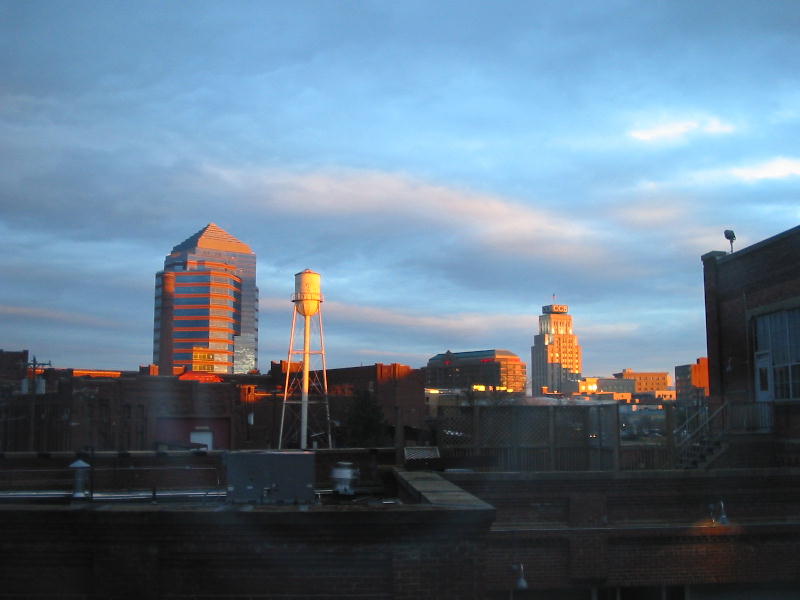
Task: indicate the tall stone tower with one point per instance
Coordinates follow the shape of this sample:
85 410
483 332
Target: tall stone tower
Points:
556 359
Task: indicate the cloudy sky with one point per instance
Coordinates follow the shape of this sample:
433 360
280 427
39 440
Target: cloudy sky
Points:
446 166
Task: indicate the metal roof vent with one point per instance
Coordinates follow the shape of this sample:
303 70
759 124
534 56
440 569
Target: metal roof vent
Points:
344 476
422 457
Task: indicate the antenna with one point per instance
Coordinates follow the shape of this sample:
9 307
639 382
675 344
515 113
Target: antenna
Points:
307 300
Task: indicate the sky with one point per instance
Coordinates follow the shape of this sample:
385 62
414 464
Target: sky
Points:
446 166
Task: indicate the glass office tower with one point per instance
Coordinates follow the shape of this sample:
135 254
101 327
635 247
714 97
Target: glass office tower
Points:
206 306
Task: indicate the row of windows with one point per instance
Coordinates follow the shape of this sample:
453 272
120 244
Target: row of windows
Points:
206 356
205 301
779 334
209 345
203 312
215 368
203 335
206 278
207 289
181 323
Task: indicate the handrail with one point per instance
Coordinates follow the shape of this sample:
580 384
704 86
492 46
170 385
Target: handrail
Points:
685 425
702 427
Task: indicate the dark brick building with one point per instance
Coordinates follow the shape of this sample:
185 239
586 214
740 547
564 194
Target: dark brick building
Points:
136 412
752 299
130 411
398 389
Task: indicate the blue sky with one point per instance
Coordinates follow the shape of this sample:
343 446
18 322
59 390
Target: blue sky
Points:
446 166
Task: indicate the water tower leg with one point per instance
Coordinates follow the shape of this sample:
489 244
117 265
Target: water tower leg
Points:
306 374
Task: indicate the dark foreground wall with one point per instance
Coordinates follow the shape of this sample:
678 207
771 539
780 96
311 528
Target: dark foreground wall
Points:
578 531
90 550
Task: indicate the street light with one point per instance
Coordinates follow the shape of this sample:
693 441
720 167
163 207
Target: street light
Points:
731 237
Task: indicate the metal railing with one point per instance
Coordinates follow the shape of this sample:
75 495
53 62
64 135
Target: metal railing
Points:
698 431
757 417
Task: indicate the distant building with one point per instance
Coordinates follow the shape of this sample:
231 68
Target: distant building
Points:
691 383
592 385
482 370
556 359
122 411
206 306
13 365
398 389
646 381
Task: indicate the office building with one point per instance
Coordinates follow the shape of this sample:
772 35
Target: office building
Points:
691 383
206 306
645 381
556 358
482 370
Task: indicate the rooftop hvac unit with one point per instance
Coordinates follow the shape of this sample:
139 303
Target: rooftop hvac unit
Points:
270 477
422 457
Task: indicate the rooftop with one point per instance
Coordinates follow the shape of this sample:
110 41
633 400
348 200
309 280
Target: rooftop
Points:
213 237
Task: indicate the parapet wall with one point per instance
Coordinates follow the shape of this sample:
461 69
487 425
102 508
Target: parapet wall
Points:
428 550
658 528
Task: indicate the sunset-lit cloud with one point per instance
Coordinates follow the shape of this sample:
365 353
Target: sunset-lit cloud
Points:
491 220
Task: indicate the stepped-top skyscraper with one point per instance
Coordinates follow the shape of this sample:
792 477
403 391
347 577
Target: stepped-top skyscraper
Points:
556 359
206 305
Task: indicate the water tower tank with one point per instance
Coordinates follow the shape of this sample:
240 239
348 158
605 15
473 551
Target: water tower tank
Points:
307 292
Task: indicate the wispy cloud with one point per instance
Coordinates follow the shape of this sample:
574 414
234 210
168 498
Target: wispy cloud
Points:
780 167
27 313
777 168
651 213
677 130
494 222
462 323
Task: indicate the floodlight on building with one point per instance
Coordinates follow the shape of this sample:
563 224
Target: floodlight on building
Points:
307 300
731 237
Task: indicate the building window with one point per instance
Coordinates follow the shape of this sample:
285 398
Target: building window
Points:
778 335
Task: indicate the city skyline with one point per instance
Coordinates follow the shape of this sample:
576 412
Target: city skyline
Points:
446 168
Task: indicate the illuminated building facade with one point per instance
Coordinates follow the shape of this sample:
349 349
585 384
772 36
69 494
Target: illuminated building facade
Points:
652 381
482 370
206 306
556 357
691 383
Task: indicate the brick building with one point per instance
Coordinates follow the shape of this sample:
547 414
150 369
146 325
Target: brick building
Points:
691 383
130 411
122 412
645 381
398 389
477 370
579 536
752 299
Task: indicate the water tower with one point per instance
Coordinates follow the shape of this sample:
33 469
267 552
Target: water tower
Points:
309 412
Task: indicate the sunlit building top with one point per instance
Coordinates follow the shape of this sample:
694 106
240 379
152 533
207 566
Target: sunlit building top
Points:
556 356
